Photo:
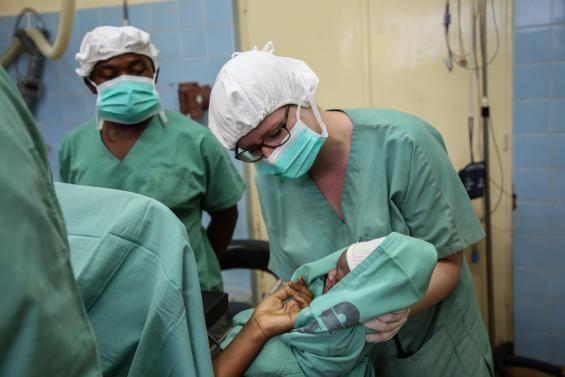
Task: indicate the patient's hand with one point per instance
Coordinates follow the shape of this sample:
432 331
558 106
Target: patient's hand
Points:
277 312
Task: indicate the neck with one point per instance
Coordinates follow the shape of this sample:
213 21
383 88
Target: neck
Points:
112 131
335 153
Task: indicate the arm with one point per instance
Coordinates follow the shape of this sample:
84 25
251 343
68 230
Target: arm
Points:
221 227
274 315
444 280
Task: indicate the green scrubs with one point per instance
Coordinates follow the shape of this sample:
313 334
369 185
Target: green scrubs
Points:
328 338
44 330
398 179
179 163
138 279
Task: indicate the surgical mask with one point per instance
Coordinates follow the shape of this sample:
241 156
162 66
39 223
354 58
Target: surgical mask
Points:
127 100
295 158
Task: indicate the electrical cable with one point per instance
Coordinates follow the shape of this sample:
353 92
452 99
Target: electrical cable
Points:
461 57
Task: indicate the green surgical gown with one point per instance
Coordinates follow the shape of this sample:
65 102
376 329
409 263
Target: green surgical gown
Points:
44 330
398 179
138 278
328 338
178 163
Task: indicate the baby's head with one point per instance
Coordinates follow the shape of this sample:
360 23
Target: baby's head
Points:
349 259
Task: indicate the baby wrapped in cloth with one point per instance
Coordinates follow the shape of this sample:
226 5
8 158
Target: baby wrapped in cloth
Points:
328 338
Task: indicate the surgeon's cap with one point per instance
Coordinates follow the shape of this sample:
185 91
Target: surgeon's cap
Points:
251 86
105 42
358 252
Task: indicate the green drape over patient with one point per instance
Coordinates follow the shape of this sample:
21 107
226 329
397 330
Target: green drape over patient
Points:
139 281
329 338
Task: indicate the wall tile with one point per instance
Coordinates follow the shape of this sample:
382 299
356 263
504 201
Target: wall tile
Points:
219 12
558 79
193 42
557 184
141 17
88 19
558 42
220 41
531 344
191 13
557 317
530 284
113 16
531 116
559 11
556 251
168 44
165 15
532 45
195 70
529 251
558 114
533 151
557 349
215 65
170 73
532 81
531 315
557 150
531 184
557 286
532 13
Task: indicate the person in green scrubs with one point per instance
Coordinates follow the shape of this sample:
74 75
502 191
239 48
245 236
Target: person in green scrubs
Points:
327 179
135 145
44 330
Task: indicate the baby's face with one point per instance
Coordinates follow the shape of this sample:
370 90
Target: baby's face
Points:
334 276
341 267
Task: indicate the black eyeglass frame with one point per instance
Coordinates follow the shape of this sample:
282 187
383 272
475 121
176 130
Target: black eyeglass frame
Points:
239 154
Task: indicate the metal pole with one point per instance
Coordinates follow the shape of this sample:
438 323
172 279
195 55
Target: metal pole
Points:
485 114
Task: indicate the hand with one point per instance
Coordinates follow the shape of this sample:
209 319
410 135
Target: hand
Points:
277 312
387 325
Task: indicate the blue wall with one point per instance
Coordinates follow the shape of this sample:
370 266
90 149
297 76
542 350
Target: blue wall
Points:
539 177
194 38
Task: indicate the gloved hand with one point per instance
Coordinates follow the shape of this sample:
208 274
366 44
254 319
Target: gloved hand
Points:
386 326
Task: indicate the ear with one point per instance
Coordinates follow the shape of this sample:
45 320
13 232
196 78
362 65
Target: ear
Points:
89 85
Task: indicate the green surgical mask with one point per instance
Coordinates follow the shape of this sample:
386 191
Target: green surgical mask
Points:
127 100
295 158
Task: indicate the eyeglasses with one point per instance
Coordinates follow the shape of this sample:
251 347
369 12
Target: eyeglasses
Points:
275 139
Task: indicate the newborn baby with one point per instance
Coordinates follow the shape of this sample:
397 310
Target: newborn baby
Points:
349 259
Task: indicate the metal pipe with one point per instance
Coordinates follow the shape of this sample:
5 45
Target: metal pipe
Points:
485 113
54 51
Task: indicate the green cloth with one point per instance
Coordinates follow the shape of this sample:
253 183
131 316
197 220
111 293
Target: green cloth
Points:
44 329
399 178
180 164
329 338
138 278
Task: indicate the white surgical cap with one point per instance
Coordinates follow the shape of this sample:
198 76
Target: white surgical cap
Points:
106 42
357 252
251 86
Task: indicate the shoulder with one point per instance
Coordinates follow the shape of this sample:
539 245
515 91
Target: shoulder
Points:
395 125
84 131
185 125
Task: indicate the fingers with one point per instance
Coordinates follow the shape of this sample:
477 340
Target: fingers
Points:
381 336
387 325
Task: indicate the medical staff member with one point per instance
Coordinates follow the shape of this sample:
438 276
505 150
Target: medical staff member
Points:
327 179
44 330
136 145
